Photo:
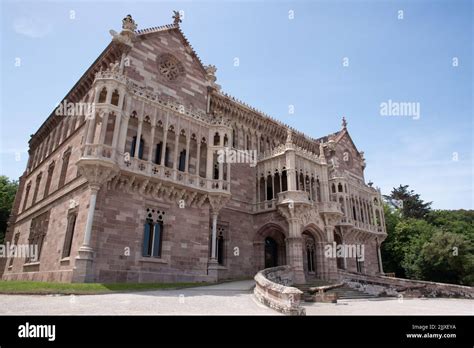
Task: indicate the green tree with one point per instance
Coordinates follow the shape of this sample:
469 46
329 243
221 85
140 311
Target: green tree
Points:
392 260
7 196
412 205
447 257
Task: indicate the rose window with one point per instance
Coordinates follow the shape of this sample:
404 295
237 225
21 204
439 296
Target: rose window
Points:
170 68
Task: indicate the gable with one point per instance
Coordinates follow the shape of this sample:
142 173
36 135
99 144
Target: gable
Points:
348 157
164 63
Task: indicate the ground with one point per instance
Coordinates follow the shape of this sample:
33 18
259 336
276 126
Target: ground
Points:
233 298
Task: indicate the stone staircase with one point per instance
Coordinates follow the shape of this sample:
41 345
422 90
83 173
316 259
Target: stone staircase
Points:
343 293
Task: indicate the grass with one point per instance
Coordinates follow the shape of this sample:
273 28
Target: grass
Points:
45 288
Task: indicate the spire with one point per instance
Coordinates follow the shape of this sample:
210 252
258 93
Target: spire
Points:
344 123
176 18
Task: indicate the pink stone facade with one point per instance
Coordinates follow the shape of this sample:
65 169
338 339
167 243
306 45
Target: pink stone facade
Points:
132 190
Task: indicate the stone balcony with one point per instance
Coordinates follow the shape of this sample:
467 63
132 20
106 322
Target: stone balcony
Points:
295 197
98 153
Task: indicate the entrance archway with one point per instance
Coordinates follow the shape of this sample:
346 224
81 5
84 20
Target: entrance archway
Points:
309 255
271 253
269 247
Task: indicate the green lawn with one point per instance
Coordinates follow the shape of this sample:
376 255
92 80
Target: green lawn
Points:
42 288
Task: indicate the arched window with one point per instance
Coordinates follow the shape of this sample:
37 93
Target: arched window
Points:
284 182
103 95
318 190
115 98
153 234
158 151
339 187
216 170
226 140
333 188
217 139
220 248
269 188
182 161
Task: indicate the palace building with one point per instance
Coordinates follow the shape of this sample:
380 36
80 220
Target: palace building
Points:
125 182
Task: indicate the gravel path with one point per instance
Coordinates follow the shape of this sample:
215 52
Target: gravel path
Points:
233 298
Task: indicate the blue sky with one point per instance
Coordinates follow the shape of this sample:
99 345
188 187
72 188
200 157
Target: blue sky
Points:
283 62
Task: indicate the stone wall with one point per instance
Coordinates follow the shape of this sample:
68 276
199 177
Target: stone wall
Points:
391 286
117 239
273 288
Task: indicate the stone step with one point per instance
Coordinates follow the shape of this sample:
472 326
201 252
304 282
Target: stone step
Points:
343 292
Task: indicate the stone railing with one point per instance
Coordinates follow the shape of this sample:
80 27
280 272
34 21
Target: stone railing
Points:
105 152
329 207
273 288
286 197
391 286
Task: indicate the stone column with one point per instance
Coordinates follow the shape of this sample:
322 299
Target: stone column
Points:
122 138
163 147
198 157
214 236
175 156
82 272
295 251
103 128
188 145
90 130
86 244
331 262
152 143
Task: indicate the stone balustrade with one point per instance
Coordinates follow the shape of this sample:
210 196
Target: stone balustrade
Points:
153 170
273 288
391 286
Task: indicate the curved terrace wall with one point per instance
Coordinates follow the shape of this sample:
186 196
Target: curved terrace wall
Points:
273 288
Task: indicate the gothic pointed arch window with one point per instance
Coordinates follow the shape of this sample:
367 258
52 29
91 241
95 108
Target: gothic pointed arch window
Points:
103 95
217 139
339 188
153 233
115 98
182 161
221 244
284 180
226 140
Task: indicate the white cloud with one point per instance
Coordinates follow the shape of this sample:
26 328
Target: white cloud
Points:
33 27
